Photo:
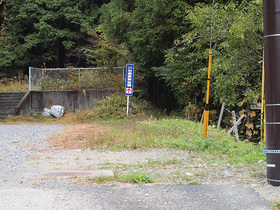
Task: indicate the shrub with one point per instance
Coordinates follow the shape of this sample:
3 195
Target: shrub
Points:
113 107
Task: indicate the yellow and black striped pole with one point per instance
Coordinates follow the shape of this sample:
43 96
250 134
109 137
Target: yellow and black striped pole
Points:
207 107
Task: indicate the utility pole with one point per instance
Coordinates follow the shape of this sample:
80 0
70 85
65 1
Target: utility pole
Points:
271 14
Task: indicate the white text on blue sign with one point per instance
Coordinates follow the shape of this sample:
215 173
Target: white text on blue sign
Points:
129 80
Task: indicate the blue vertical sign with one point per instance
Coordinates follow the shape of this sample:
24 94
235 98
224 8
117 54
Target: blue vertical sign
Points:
129 80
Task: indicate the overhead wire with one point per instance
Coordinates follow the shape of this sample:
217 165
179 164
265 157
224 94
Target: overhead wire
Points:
212 19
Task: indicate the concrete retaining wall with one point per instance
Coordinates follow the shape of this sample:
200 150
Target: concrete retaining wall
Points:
8 102
71 100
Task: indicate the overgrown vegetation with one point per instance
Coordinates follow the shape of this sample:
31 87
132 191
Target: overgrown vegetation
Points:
16 84
114 108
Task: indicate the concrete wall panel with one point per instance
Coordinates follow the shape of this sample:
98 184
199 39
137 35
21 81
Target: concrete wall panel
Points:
71 100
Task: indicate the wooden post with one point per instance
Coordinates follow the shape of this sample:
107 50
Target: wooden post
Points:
221 115
201 121
189 110
236 123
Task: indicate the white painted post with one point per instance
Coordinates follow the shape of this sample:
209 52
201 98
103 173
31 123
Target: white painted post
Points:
127 106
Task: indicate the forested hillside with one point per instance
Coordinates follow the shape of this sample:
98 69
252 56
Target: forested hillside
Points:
167 40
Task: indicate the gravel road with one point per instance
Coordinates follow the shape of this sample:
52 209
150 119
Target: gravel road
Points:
26 158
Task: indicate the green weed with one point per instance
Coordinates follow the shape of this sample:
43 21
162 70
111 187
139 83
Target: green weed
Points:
136 177
275 205
194 182
187 178
199 174
260 174
164 162
102 179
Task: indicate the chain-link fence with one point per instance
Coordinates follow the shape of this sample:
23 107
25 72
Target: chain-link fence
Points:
76 78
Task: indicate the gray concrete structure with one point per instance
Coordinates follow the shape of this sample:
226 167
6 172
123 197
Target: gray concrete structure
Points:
8 102
71 100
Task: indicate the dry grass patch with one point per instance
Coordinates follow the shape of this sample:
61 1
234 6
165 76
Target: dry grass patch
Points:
77 136
15 84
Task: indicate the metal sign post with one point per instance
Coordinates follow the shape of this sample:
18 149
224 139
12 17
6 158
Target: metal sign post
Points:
129 83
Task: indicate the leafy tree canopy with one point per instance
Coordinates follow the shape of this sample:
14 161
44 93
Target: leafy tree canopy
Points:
35 32
237 54
146 27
